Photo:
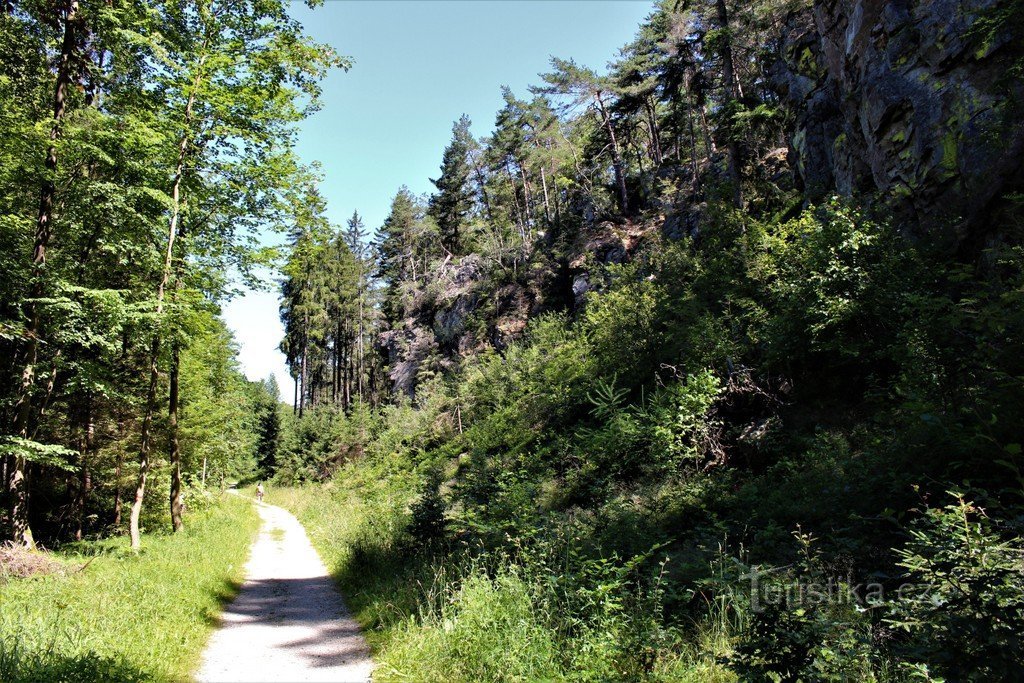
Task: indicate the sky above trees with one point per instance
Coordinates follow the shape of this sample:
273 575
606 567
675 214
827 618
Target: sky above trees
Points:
419 65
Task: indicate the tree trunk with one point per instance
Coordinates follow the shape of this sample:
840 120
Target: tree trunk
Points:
360 294
515 201
17 486
154 350
729 74
302 378
709 141
694 167
482 182
47 395
547 199
350 373
175 446
527 198
620 178
652 122
336 352
144 445
85 474
117 487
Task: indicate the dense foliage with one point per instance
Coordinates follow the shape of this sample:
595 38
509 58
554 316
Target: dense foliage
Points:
653 415
145 147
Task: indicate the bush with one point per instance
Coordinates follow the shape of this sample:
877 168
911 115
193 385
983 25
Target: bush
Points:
963 609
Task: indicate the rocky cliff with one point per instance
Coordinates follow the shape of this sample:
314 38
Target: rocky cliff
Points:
917 99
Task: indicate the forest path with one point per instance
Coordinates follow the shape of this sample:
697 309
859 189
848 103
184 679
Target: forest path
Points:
288 622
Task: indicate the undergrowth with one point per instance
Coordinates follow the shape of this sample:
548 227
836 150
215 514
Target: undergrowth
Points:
789 450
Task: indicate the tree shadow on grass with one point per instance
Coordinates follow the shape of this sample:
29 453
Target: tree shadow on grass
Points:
225 594
21 666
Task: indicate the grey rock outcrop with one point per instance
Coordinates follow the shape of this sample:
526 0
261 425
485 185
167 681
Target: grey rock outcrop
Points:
904 98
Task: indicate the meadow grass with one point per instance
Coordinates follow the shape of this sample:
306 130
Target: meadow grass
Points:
113 615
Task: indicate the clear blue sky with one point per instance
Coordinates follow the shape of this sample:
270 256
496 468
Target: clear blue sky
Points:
419 65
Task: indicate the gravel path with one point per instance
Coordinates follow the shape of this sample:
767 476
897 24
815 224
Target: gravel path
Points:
288 623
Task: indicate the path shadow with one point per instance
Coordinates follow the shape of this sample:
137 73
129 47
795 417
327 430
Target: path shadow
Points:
301 602
226 594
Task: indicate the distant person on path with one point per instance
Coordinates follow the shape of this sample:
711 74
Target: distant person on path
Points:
259 492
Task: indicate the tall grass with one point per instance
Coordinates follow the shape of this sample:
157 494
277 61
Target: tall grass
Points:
461 617
113 615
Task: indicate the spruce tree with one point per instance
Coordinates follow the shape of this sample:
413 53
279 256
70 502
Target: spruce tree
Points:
454 200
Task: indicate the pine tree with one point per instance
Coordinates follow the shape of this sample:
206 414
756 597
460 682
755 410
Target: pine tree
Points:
584 86
396 250
268 425
355 237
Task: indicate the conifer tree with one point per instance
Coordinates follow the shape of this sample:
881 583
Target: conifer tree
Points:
452 204
584 86
396 249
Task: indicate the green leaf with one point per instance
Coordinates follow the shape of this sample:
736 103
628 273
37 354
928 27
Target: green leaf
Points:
53 455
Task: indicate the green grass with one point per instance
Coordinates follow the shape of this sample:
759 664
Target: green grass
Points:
127 617
434 619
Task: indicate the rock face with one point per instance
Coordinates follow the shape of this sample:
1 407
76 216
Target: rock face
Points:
908 98
455 314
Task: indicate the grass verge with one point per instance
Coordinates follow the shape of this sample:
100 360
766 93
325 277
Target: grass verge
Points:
438 618
114 615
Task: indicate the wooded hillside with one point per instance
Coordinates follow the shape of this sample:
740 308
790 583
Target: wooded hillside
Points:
681 344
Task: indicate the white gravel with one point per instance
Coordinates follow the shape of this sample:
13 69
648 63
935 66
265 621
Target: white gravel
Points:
288 623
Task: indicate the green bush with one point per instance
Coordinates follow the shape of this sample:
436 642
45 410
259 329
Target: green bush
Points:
963 605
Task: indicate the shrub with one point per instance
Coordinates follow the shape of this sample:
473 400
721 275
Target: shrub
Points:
964 608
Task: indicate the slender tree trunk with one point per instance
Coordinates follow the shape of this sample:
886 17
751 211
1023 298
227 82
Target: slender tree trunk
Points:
17 485
360 295
84 473
709 141
339 359
652 122
547 199
527 197
481 181
175 445
144 445
302 378
154 348
350 370
694 167
515 201
47 395
295 395
334 364
117 488
729 74
620 178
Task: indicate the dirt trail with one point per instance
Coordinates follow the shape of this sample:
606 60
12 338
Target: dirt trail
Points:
288 623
